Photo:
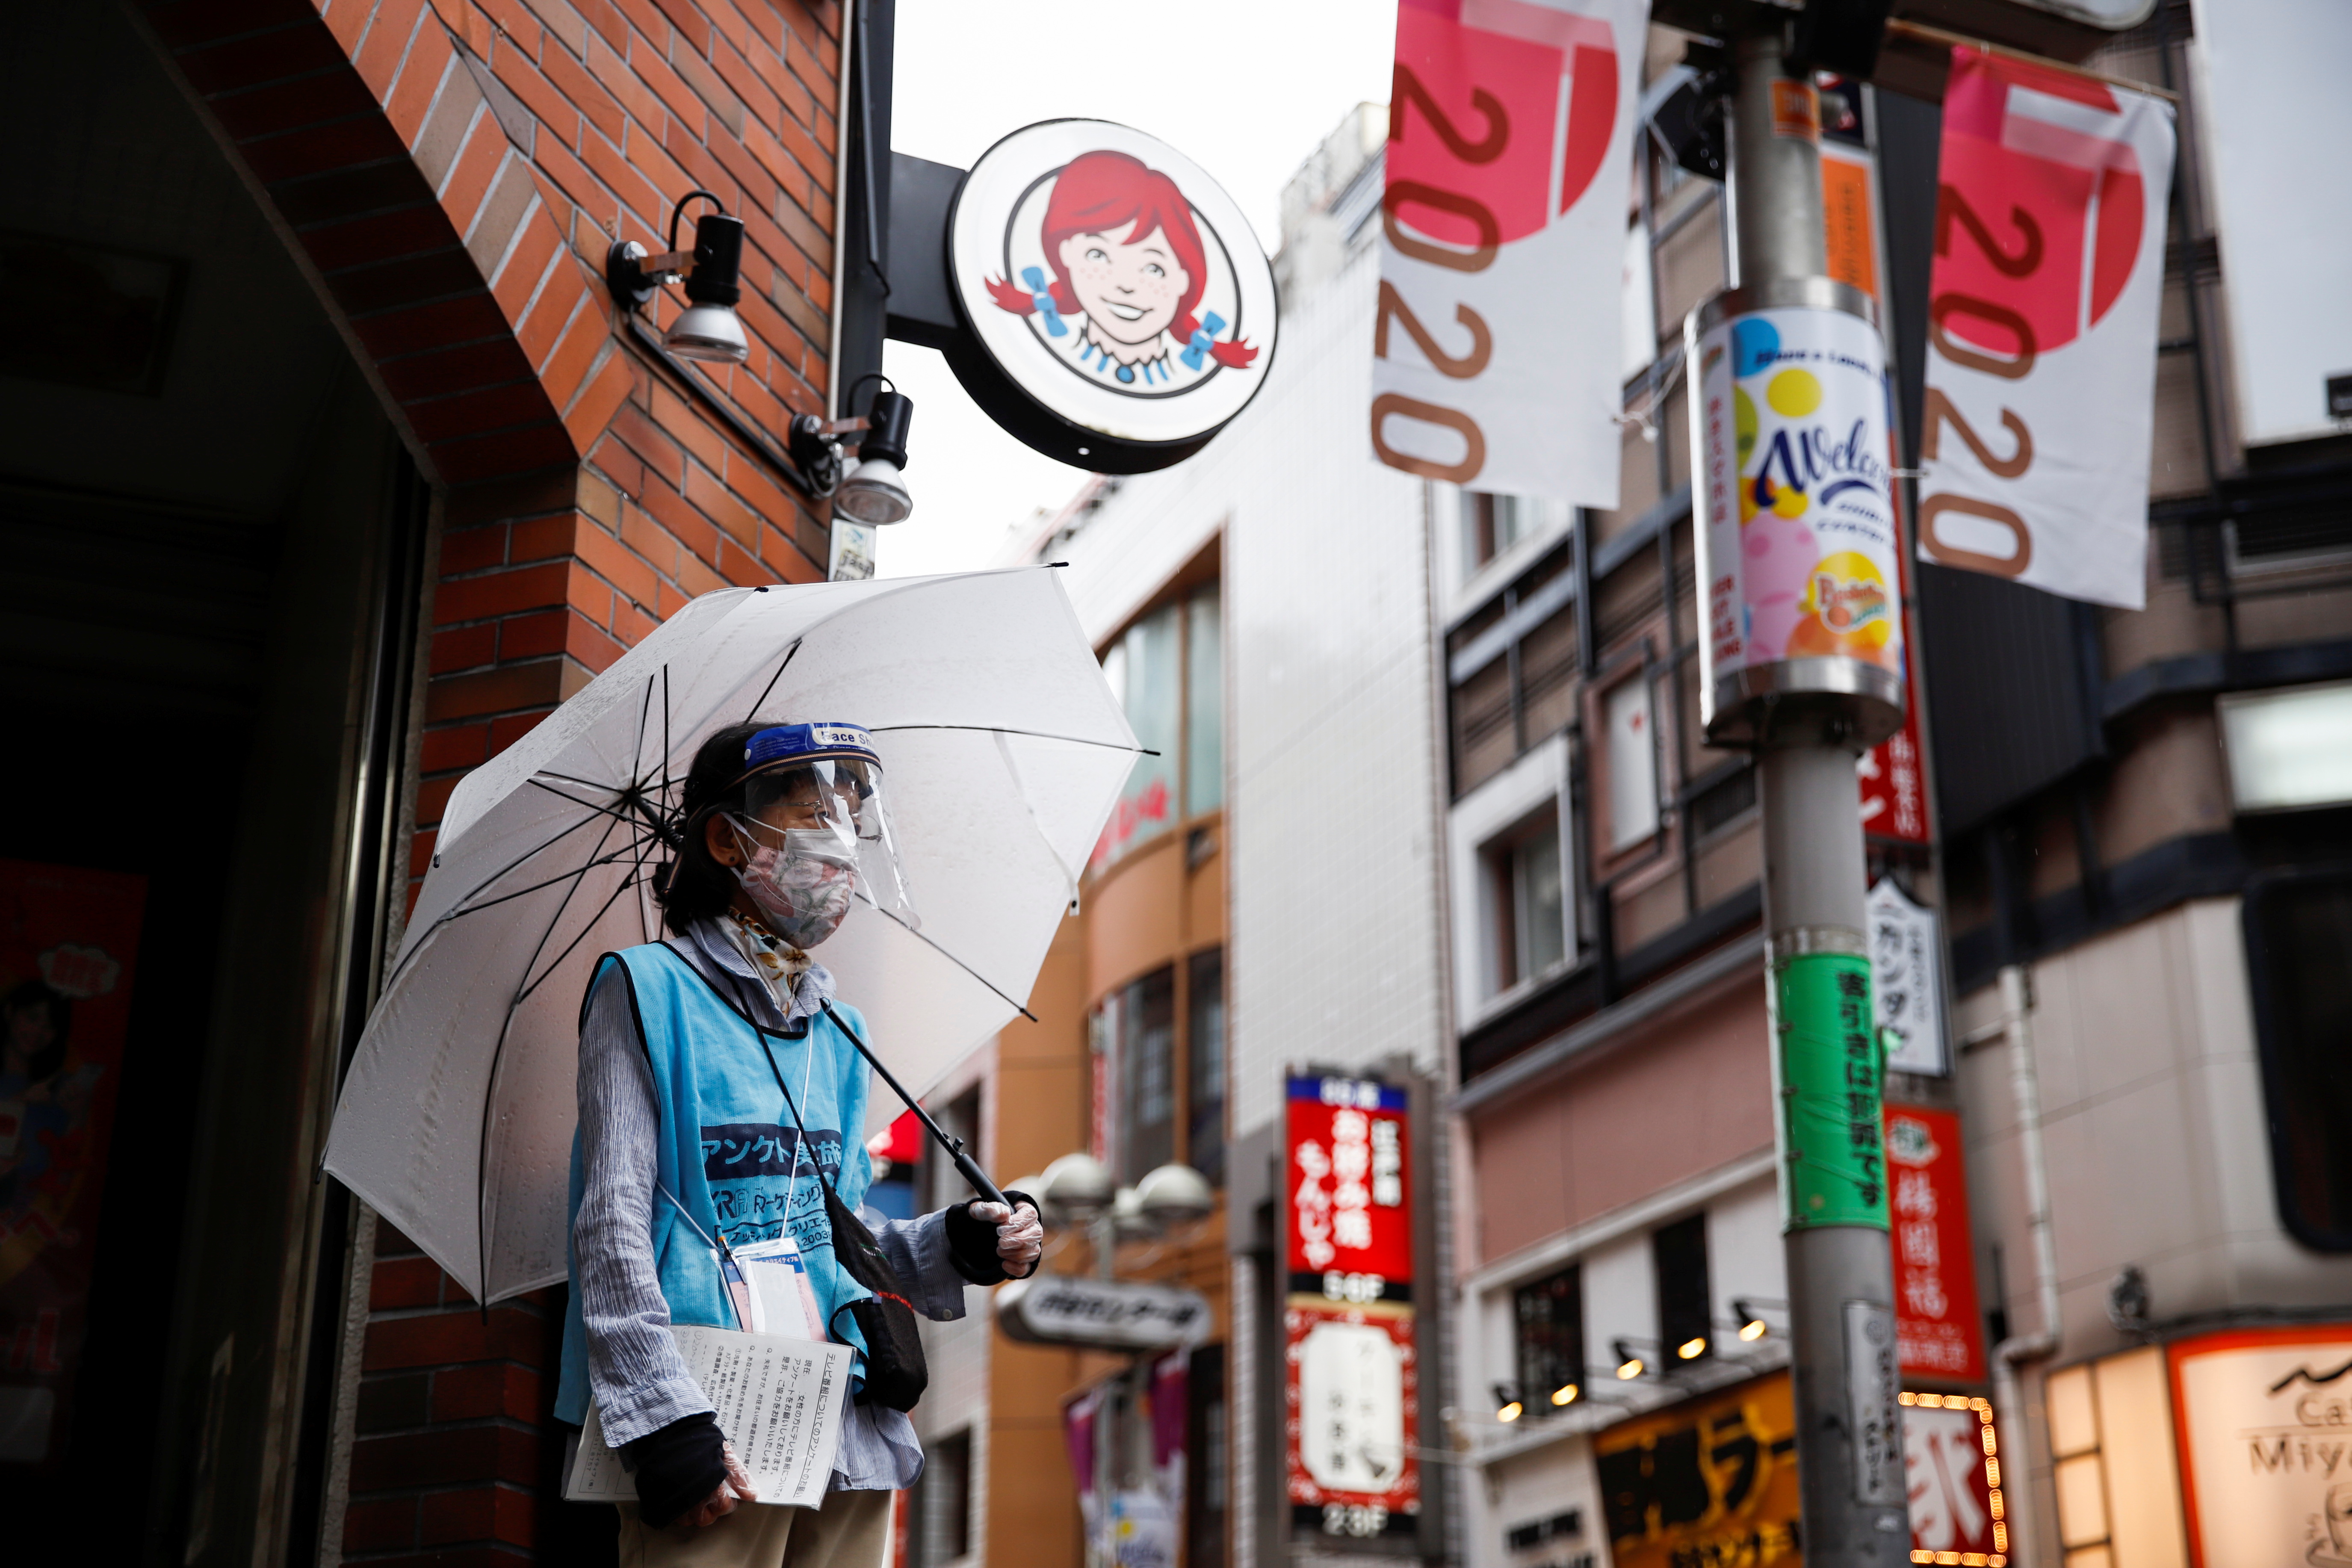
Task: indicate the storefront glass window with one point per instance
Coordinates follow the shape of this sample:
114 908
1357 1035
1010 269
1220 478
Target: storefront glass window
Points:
1684 1329
1147 1074
1204 981
1550 1327
1204 703
1168 670
2299 945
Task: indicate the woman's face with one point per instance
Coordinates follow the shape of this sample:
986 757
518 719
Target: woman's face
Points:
1128 289
30 1033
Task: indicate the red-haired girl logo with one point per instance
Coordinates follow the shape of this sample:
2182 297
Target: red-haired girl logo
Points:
1112 281
1124 265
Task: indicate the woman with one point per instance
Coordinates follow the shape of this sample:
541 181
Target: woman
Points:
718 1098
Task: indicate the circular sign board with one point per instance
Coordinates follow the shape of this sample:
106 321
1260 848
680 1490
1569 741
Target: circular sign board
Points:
1119 310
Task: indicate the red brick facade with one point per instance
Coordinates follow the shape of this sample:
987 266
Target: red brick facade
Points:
451 174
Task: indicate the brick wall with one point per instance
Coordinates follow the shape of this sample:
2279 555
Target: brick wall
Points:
447 1459
450 173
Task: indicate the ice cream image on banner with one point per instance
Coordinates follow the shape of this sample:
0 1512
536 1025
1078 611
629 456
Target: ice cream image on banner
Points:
1120 279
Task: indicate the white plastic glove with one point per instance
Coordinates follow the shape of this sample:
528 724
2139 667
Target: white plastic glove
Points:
731 1493
1020 1233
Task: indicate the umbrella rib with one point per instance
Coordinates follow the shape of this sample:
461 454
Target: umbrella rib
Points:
644 819
464 903
764 690
645 710
1036 734
490 1083
951 957
574 874
557 962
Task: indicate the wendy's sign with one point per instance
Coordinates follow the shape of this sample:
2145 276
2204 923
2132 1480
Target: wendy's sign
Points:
1117 310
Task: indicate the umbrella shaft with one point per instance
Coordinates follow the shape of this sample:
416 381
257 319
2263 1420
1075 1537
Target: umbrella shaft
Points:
966 1166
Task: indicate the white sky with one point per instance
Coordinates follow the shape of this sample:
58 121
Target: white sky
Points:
1244 87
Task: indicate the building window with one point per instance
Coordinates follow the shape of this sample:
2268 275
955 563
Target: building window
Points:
1204 702
1549 1319
1147 1074
1686 1306
940 1182
1526 886
1206 1504
1168 672
1204 1148
1513 911
1631 763
1492 524
1158 1044
2299 961
942 1504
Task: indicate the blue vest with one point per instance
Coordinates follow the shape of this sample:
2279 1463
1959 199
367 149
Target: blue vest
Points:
737 1162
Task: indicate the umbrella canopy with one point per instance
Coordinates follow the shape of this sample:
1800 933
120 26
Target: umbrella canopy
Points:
1002 749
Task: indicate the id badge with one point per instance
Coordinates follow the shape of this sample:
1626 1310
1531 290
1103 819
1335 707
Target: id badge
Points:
782 1301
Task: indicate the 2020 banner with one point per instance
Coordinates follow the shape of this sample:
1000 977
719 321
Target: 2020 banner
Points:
2035 430
1495 358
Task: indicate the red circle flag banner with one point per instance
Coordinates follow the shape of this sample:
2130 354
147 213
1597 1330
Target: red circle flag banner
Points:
2035 430
1496 355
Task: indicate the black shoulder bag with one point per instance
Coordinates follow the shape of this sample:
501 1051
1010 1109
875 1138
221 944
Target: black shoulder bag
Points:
896 1374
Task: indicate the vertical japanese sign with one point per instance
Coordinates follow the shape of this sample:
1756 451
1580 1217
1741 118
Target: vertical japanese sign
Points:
1496 352
1936 1323
1827 1077
1907 991
1350 1373
1711 1481
2042 318
67 942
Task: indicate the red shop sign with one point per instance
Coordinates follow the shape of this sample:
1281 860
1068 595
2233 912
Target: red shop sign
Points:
1347 1181
1937 1327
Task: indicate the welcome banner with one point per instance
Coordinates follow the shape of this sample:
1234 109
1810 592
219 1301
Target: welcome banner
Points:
1496 355
2050 226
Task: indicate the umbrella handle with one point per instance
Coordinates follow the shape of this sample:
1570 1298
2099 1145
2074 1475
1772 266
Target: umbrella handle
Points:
966 1166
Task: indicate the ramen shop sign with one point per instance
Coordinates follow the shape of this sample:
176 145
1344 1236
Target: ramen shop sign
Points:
1117 309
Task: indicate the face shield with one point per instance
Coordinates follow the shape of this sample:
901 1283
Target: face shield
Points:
815 792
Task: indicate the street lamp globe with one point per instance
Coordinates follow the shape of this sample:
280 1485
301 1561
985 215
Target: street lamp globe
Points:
1173 1195
1127 1218
1077 1187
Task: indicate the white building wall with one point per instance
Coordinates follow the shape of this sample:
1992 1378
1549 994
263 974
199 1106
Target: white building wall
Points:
1331 799
2155 1129
1330 793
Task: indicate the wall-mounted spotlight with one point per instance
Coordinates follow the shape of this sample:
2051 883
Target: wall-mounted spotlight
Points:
1565 1394
872 489
1508 1405
707 329
1629 1365
1692 1348
1752 1326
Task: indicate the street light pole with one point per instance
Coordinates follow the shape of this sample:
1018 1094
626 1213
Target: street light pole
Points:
1788 404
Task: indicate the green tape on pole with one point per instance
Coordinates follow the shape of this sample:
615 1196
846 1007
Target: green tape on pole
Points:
1828 1071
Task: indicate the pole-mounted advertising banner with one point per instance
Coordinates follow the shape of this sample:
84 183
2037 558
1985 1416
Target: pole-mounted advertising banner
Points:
1496 355
2050 224
1352 1375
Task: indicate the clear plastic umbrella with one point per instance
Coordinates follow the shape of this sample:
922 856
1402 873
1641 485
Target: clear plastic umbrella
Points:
1004 748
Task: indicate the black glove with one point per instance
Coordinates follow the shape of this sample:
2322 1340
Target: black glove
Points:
971 1242
677 1467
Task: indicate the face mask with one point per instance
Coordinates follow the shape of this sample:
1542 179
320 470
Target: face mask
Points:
802 889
